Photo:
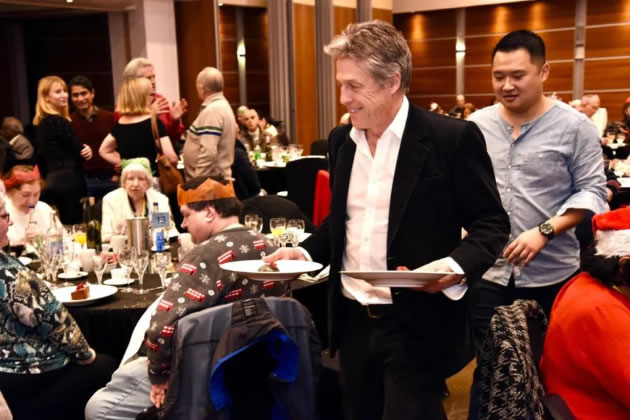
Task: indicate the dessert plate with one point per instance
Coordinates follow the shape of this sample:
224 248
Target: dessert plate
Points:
288 269
396 278
25 260
118 282
97 292
65 276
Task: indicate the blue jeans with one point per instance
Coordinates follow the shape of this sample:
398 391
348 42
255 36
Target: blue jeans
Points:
99 186
125 396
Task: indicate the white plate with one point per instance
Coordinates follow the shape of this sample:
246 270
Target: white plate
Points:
275 164
118 282
289 269
154 249
97 292
396 278
69 277
25 260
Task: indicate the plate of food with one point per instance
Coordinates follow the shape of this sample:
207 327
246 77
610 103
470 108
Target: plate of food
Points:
83 293
397 278
280 270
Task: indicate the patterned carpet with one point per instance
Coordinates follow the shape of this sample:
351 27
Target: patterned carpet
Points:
456 405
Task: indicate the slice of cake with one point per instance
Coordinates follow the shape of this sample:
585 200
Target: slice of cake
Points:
82 291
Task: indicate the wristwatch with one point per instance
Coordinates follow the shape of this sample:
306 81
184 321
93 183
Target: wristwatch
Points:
546 228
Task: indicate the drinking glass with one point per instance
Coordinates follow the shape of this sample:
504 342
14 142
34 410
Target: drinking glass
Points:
621 137
79 232
126 257
161 262
140 264
610 136
299 149
100 263
181 253
253 221
277 225
66 258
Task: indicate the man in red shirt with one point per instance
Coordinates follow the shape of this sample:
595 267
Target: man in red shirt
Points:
91 125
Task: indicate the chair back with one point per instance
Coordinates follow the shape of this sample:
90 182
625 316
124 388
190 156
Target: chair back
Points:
320 148
321 202
198 353
301 175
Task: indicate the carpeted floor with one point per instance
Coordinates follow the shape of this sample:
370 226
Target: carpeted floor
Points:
456 405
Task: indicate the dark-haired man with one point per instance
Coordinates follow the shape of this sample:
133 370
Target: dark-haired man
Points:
91 125
548 164
211 210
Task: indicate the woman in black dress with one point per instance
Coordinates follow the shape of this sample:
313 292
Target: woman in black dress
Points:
60 154
131 136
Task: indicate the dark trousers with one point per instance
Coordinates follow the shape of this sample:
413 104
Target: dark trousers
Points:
64 189
378 380
59 394
485 296
98 186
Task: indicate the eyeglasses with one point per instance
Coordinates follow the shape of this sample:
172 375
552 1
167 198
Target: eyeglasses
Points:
5 216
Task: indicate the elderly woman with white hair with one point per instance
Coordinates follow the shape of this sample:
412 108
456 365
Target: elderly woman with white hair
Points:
134 198
44 353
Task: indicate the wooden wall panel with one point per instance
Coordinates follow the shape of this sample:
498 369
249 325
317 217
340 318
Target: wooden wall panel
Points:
256 34
305 74
433 53
432 81
607 74
422 26
609 11
67 46
478 79
229 62
343 16
383 14
537 15
560 79
607 41
613 102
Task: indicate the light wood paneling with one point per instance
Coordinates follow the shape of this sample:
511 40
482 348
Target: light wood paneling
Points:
607 74
227 22
432 81
420 26
560 78
383 14
229 61
558 44
608 41
256 34
537 15
608 11
343 17
230 88
305 74
433 53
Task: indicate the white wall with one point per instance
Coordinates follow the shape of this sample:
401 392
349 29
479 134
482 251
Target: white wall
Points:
404 6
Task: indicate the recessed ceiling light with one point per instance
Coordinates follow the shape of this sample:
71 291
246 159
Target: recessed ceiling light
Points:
69 1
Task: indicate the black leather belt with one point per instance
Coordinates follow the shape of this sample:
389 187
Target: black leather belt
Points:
379 311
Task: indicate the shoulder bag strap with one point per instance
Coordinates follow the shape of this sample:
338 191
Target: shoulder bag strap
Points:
156 133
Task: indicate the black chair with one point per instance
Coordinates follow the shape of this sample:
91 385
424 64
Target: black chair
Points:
301 175
270 206
319 148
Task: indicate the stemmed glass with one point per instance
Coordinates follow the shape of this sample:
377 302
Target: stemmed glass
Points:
79 232
277 225
100 263
126 257
140 264
161 261
295 227
253 221
66 259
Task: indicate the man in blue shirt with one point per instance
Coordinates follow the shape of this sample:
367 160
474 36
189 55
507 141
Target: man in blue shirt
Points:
549 169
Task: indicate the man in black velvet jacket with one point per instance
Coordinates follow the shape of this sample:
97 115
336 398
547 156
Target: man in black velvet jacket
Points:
404 184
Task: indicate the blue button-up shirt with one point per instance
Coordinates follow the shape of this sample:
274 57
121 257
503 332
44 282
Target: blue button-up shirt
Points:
554 164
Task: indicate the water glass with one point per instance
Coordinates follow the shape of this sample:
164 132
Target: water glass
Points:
161 262
621 137
100 263
277 225
126 257
253 221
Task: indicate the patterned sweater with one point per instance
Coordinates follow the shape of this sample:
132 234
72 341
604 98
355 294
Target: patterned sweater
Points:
37 334
200 283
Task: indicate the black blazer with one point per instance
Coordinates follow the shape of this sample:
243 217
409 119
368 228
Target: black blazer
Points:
443 181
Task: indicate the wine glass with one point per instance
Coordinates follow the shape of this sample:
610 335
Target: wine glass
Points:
295 227
79 232
253 221
100 263
66 259
277 225
161 261
126 258
140 264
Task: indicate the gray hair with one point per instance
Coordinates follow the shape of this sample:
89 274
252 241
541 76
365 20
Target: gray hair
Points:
211 79
379 47
132 69
146 174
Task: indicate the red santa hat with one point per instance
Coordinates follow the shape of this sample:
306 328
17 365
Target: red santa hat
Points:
612 232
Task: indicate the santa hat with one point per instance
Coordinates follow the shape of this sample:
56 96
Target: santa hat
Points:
612 232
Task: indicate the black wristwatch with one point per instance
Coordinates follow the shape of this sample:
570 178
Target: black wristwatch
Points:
546 228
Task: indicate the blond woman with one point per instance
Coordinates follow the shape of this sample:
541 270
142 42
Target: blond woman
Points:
131 136
60 154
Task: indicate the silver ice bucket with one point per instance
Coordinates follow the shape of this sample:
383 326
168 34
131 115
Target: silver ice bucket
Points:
139 233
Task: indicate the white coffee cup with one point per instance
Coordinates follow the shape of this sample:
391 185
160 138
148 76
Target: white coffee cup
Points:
185 240
72 269
118 273
118 242
85 256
